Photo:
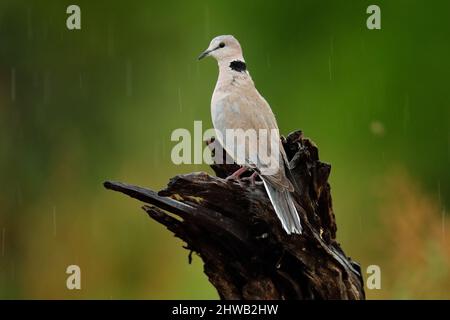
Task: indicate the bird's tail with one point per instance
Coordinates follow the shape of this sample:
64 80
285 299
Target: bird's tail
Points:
284 207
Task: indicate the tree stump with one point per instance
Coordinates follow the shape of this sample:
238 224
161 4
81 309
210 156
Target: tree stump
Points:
232 226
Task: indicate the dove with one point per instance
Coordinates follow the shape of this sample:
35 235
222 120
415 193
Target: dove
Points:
238 107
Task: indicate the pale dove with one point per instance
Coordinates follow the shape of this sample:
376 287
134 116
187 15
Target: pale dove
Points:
237 105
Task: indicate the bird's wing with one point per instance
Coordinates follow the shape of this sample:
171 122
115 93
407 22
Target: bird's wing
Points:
245 109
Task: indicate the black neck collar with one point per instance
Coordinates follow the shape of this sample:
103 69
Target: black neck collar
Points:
238 65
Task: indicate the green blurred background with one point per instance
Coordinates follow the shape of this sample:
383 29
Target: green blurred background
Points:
81 107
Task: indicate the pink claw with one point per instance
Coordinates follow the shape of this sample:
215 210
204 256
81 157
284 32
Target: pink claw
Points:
237 174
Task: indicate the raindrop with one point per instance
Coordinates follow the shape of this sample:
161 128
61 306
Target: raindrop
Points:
406 113
45 32
13 84
331 46
163 148
54 221
329 68
19 195
46 87
361 223
80 81
13 270
189 71
207 27
330 58
3 241
443 222
36 79
129 78
197 70
29 25
179 100
439 191
110 39
156 153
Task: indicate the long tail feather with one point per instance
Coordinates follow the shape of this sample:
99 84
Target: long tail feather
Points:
284 207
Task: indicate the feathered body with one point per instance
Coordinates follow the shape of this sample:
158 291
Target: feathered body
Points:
236 104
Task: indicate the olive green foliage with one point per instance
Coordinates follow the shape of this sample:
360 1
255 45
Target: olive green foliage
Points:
79 107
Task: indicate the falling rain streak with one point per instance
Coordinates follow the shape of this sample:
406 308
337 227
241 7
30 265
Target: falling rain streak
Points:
110 41
129 78
329 68
13 84
443 222
3 241
80 81
46 87
330 58
13 270
54 221
180 104
361 224
443 211
268 62
439 192
207 23
155 154
29 25
19 195
406 113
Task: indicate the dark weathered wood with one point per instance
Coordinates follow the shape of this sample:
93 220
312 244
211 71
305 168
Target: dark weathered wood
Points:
231 225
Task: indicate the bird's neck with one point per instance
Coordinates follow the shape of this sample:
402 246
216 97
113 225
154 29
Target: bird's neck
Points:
236 64
232 70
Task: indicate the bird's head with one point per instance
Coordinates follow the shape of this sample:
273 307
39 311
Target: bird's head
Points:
223 49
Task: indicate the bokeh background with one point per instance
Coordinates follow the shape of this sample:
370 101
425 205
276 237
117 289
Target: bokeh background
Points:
81 107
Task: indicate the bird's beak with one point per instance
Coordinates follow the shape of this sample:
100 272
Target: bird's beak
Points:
204 54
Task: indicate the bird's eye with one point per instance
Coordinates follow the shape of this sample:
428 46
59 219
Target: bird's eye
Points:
221 45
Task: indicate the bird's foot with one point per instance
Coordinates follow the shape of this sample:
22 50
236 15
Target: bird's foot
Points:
236 175
253 178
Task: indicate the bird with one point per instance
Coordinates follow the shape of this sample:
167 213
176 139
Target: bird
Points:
237 106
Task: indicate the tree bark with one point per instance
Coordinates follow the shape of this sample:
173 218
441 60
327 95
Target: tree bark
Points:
232 226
